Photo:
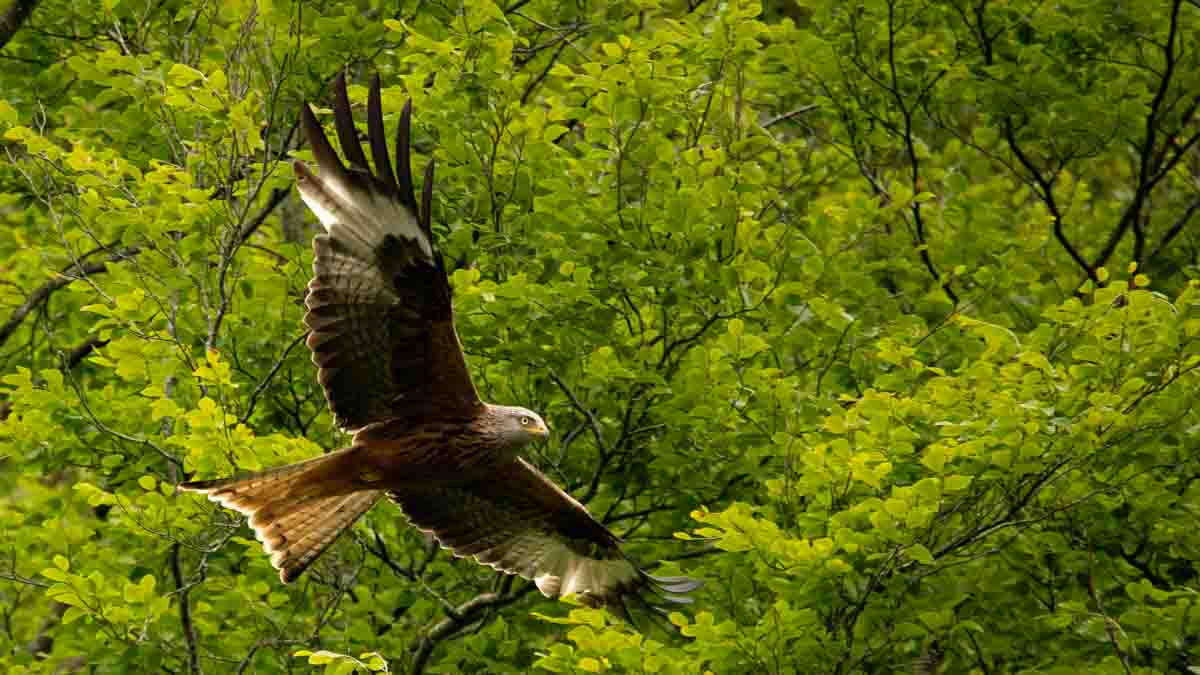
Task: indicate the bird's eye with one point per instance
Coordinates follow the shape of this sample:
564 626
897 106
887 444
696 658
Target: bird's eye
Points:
525 421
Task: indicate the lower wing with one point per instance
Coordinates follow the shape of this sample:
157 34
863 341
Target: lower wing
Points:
521 523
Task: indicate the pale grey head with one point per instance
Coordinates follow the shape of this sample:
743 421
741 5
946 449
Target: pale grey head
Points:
515 426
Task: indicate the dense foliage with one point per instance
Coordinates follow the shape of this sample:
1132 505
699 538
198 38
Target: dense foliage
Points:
881 317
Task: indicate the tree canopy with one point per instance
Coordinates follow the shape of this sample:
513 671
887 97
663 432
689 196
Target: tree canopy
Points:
881 317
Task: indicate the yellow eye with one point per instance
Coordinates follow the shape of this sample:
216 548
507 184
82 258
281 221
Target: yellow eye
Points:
525 421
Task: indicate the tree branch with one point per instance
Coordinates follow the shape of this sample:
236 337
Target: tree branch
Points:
1147 168
42 293
1174 230
185 611
593 423
228 252
80 352
1046 187
910 149
537 80
113 432
273 201
466 613
14 18
262 385
69 360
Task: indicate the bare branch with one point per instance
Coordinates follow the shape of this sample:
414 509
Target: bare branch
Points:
14 18
185 611
593 423
465 614
118 434
42 293
1175 229
1147 168
262 385
227 254
18 579
81 351
790 114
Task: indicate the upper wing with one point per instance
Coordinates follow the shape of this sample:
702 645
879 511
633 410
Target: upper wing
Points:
378 304
519 522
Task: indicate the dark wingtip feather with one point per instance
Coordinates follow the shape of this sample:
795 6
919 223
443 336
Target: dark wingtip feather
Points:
658 616
624 611
677 599
403 157
375 136
201 485
343 120
426 217
670 589
327 159
648 596
675 585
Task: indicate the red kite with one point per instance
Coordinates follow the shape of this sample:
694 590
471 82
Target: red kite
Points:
389 359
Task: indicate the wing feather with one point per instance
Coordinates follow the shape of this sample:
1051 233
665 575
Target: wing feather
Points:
379 306
520 522
378 141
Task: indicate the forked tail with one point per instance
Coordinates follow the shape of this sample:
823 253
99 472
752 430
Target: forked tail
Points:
297 510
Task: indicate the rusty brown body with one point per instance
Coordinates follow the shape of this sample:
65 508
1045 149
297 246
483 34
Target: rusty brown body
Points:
396 454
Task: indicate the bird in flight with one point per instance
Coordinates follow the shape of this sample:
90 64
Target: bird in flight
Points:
382 337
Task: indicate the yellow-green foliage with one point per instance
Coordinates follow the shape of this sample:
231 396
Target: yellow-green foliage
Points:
879 317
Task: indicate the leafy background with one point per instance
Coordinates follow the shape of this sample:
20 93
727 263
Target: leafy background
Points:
881 317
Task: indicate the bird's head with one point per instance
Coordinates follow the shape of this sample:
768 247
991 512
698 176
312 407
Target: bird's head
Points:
519 426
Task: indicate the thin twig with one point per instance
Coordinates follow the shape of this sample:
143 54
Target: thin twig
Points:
227 255
17 578
262 385
593 423
185 611
113 432
14 18
790 114
42 293
466 614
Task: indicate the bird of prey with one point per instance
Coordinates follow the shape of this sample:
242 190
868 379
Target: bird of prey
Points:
383 339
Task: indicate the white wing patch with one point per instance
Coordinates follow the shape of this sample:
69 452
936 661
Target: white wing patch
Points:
359 218
587 577
560 571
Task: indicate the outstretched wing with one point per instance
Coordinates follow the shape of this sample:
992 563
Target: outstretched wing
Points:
379 310
519 522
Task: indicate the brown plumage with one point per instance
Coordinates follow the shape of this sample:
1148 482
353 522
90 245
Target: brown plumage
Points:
383 339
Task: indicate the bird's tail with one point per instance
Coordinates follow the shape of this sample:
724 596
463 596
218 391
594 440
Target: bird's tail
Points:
297 510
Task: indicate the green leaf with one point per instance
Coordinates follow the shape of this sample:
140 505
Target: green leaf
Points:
935 458
55 574
322 657
72 615
182 75
8 114
957 483
553 131
684 238
920 554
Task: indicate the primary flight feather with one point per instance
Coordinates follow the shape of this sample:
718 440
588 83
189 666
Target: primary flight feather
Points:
382 336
